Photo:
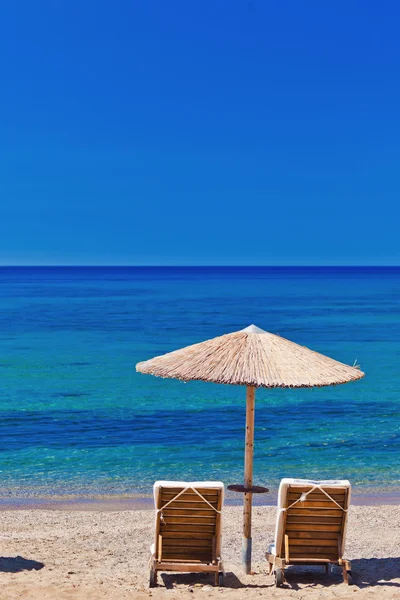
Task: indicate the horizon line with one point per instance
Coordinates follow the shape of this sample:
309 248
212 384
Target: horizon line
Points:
208 266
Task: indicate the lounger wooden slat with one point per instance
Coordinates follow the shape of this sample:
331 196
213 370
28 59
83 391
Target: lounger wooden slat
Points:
312 521
188 528
193 521
314 512
325 504
196 555
185 505
322 501
312 551
179 565
311 525
187 543
176 542
190 498
331 558
209 495
189 508
314 540
199 559
189 512
189 535
189 525
315 535
317 496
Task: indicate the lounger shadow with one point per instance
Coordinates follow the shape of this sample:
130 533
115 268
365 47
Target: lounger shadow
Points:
370 572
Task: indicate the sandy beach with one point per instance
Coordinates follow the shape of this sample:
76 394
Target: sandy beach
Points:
91 554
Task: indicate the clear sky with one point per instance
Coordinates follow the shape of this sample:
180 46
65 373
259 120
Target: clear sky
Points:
199 132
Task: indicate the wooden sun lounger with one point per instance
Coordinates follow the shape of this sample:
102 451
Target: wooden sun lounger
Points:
187 529
311 526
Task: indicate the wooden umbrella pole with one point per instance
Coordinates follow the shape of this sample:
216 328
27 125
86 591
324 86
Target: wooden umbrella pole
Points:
248 479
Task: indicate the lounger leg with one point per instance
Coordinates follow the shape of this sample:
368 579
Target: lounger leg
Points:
270 561
346 568
345 574
279 576
153 578
219 577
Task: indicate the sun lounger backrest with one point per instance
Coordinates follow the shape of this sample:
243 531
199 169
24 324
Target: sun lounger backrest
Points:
188 523
312 519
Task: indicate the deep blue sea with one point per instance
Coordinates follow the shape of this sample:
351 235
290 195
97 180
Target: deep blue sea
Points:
77 418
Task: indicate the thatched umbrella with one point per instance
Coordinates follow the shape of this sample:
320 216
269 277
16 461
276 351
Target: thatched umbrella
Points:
254 358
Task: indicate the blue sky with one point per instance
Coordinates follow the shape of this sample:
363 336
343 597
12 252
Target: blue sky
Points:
199 132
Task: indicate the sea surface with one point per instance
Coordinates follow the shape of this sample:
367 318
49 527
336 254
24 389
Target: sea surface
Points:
77 419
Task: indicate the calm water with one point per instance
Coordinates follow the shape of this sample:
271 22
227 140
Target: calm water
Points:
76 417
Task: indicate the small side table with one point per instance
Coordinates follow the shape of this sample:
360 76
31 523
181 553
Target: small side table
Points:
255 489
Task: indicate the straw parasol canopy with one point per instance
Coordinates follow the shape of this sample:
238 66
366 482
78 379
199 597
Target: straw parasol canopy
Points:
251 357
254 358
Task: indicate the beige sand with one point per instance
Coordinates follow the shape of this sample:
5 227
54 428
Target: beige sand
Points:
90 555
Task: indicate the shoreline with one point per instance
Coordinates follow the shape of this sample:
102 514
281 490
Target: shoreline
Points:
135 502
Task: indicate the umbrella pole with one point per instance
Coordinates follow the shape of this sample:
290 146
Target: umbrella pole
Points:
248 479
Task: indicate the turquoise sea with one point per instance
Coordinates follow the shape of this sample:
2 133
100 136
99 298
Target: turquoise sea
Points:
78 419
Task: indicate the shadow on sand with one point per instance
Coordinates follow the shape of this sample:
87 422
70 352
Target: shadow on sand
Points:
369 572
366 572
16 564
202 579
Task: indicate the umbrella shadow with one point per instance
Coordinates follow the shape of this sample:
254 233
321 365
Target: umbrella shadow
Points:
17 564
